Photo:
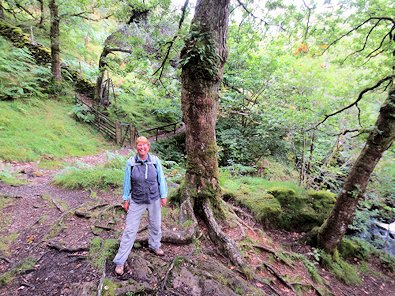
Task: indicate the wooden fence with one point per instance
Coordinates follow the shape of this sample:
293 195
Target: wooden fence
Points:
123 132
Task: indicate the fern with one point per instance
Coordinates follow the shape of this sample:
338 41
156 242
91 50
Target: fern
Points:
20 77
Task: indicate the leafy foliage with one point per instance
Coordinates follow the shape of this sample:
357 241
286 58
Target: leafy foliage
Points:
82 113
20 77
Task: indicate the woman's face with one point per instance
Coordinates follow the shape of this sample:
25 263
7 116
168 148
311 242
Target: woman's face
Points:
142 150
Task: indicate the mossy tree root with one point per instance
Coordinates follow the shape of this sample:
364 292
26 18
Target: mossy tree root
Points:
219 237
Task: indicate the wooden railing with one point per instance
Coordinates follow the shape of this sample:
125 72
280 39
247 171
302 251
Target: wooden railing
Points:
100 121
123 132
161 130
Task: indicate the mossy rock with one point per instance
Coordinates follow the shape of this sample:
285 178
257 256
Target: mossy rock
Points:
322 202
287 197
263 205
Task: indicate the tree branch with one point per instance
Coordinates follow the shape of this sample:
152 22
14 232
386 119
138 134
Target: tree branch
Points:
381 43
251 14
308 20
17 4
384 18
171 43
366 41
355 103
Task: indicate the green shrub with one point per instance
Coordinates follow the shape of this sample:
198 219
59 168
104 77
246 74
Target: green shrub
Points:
82 113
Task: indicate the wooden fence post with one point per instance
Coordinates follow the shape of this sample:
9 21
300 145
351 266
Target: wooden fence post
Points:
118 132
132 136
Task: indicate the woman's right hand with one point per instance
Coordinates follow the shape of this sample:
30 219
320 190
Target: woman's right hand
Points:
126 205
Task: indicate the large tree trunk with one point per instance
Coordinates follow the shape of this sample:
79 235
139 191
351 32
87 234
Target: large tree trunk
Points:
379 140
203 58
54 34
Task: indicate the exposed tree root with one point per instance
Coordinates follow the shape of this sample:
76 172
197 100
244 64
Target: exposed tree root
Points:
100 286
241 211
105 227
182 237
216 234
59 246
263 282
234 209
87 213
310 286
278 276
56 224
57 205
5 259
243 233
165 278
108 208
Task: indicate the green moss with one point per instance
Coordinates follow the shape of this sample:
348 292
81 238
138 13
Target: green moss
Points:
341 269
100 250
109 287
321 200
279 204
6 241
287 197
263 205
20 268
354 248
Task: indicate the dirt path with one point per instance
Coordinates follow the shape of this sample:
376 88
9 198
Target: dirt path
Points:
39 224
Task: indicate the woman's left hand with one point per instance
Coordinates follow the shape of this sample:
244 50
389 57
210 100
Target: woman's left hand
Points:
163 202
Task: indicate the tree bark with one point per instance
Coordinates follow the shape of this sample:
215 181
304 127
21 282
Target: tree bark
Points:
1 10
54 35
203 58
41 21
379 140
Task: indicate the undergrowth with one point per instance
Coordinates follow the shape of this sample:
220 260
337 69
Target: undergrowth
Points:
20 77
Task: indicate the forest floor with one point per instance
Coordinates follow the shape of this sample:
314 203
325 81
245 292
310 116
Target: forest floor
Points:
47 233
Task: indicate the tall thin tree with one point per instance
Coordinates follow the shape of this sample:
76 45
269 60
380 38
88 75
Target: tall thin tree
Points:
54 35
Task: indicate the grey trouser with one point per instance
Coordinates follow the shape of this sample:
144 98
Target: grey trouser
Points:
133 219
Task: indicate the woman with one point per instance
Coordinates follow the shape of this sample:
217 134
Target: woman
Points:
144 188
